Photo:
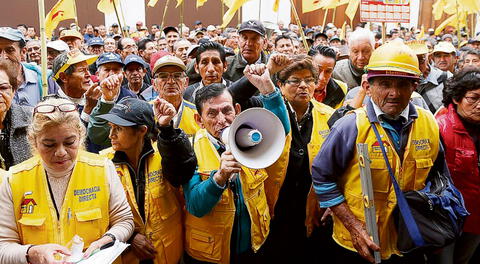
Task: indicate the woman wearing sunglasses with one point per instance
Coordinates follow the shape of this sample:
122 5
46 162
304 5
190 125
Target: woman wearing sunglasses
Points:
61 192
14 119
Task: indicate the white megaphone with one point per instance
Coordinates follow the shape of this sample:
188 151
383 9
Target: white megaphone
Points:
256 138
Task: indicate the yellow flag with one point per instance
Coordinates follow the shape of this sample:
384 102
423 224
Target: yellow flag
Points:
234 6
312 5
179 2
352 9
106 6
275 5
152 3
454 20
62 10
331 4
200 3
473 6
228 3
342 35
422 33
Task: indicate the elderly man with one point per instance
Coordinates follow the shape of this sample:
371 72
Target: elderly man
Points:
12 47
70 71
472 58
171 35
252 41
233 210
180 48
135 69
55 48
73 38
33 51
393 73
320 39
95 46
361 43
444 56
126 46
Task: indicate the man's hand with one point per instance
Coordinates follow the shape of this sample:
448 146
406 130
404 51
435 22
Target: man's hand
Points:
111 86
164 111
360 238
228 166
143 247
259 76
45 254
277 62
91 97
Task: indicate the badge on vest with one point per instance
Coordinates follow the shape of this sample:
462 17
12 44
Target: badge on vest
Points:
421 144
324 133
376 147
28 205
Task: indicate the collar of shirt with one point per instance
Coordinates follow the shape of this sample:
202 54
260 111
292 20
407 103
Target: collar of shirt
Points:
30 76
305 116
78 101
201 85
381 115
216 143
244 61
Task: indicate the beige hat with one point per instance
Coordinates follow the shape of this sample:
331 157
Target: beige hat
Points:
445 47
418 46
70 33
168 60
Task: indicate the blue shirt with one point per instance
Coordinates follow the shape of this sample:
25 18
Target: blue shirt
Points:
28 93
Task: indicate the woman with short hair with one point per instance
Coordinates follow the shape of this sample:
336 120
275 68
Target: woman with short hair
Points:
61 192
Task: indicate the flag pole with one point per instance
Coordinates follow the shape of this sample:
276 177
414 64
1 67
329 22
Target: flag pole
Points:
302 34
164 14
324 19
239 14
182 9
223 8
123 17
75 10
43 51
458 23
334 13
118 18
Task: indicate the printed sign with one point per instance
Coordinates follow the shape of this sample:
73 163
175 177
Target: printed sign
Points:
392 11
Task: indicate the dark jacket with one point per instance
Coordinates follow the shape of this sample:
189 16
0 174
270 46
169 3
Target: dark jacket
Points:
20 119
236 65
463 162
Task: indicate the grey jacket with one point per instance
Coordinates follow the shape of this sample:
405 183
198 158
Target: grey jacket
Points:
236 65
431 88
19 146
345 72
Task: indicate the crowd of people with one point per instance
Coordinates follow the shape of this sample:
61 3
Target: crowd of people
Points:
127 144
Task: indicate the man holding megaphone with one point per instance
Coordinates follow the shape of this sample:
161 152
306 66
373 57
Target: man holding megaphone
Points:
227 218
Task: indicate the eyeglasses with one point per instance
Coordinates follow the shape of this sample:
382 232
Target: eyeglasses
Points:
48 108
297 82
472 100
164 76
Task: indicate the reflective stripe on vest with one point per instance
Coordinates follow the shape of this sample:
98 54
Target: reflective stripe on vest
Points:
411 173
208 237
85 210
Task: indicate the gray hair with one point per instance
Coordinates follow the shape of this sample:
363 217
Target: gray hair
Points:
362 34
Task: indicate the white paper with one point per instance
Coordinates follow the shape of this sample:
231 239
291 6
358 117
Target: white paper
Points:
106 256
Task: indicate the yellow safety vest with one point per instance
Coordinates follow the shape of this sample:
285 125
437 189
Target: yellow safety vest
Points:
85 210
344 89
277 172
208 237
163 214
411 173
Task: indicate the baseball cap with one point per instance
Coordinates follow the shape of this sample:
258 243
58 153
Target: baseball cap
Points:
156 56
131 111
192 50
168 29
114 25
139 23
109 57
134 59
70 33
444 37
11 34
198 22
253 25
335 38
320 34
211 28
95 42
168 60
444 46
64 60
58 45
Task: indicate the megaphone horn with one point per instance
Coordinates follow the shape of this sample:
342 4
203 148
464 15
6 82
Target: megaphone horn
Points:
256 138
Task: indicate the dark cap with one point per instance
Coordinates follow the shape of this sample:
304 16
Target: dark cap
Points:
97 41
134 59
320 34
253 25
11 34
169 28
130 111
109 57
114 25
198 22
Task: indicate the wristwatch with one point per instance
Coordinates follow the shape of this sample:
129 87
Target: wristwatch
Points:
111 236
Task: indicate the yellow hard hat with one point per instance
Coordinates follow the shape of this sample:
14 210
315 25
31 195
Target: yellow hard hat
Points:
393 59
